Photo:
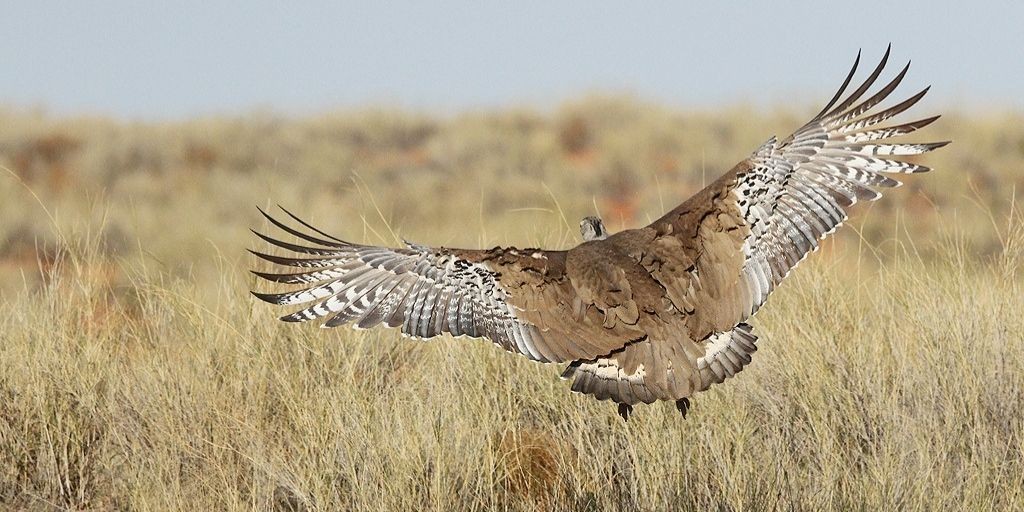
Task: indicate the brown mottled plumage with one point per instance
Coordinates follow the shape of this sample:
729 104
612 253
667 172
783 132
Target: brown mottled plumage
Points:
654 313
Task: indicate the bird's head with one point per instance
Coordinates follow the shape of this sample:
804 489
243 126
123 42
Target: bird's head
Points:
593 229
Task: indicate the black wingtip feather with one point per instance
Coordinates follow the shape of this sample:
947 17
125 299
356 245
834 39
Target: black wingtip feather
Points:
334 242
294 278
265 297
281 260
855 95
310 226
842 88
303 249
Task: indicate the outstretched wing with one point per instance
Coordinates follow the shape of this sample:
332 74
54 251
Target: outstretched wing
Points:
520 300
794 193
778 204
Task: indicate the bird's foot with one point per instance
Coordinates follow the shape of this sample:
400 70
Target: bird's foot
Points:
625 410
683 404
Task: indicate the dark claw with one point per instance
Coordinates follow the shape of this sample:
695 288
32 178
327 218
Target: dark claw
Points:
624 411
683 404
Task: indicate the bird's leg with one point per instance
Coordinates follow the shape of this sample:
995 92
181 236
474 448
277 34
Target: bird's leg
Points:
683 404
624 411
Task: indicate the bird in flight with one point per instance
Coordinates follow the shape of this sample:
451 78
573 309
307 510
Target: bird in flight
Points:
654 313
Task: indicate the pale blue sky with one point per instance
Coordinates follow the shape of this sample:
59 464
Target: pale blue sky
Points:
141 60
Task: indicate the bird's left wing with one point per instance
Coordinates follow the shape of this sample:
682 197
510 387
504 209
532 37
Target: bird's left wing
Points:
518 299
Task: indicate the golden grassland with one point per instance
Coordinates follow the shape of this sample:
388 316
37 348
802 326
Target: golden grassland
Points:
137 373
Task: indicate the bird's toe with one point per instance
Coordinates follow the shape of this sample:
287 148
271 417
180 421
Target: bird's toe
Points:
624 411
683 404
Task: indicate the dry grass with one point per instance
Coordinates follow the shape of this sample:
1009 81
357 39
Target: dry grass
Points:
137 373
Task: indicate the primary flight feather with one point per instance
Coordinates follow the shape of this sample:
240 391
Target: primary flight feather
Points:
655 313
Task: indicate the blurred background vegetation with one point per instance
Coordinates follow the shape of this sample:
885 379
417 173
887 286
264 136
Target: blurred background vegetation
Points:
137 373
